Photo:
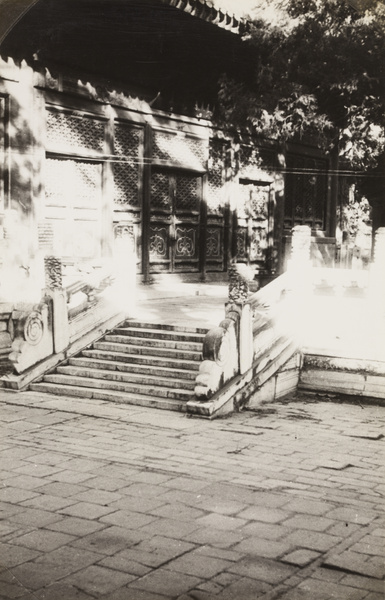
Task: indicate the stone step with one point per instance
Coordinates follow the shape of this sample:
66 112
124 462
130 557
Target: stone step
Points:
130 388
148 351
135 378
143 332
109 395
153 342
148 370
164 327
139 359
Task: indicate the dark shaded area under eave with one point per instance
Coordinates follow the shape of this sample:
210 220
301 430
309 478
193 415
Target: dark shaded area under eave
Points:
141 43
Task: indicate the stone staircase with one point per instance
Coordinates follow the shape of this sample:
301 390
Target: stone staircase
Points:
143 364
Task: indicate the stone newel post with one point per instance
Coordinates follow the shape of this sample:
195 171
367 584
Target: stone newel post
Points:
54 290
239 277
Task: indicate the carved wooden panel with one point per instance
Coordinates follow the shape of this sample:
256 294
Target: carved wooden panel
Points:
159 243
186 242
241 243
214 244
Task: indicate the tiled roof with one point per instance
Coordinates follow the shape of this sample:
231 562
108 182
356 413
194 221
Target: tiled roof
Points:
208 12
11 12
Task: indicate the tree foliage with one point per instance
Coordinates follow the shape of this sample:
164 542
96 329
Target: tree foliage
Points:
316 70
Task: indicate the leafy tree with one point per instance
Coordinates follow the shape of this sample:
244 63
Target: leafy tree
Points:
316 70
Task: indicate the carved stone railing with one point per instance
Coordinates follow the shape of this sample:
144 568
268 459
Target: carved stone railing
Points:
221 346
33 339
249 346
37 336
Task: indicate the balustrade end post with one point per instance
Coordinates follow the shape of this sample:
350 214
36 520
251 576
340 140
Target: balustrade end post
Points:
57 294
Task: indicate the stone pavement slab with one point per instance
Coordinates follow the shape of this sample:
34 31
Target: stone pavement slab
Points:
125 503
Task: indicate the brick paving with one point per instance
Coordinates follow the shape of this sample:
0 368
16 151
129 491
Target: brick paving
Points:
117 502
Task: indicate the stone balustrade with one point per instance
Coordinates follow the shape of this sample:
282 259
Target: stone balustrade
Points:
245 350
36 336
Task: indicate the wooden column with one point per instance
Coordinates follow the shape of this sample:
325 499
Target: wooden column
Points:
203 230
331 209
147 155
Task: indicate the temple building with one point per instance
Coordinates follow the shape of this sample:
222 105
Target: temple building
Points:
109 155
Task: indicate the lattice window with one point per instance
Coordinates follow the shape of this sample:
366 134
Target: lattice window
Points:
259 199
305 191
187 195
126 173
72 132
126 184
254 162
160 191
215 197
65 179
180 150
127 141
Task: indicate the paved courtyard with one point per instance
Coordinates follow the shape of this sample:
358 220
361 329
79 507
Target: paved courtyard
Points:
124 503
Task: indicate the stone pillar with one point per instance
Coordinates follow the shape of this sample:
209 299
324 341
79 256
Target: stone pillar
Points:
54 290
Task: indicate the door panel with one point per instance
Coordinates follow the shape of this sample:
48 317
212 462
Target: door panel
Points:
160 222
188 192
174 221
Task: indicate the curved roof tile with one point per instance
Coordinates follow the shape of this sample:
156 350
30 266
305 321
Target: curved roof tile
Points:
11 11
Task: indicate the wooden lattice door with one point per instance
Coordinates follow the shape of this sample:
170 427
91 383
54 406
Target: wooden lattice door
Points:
175 208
